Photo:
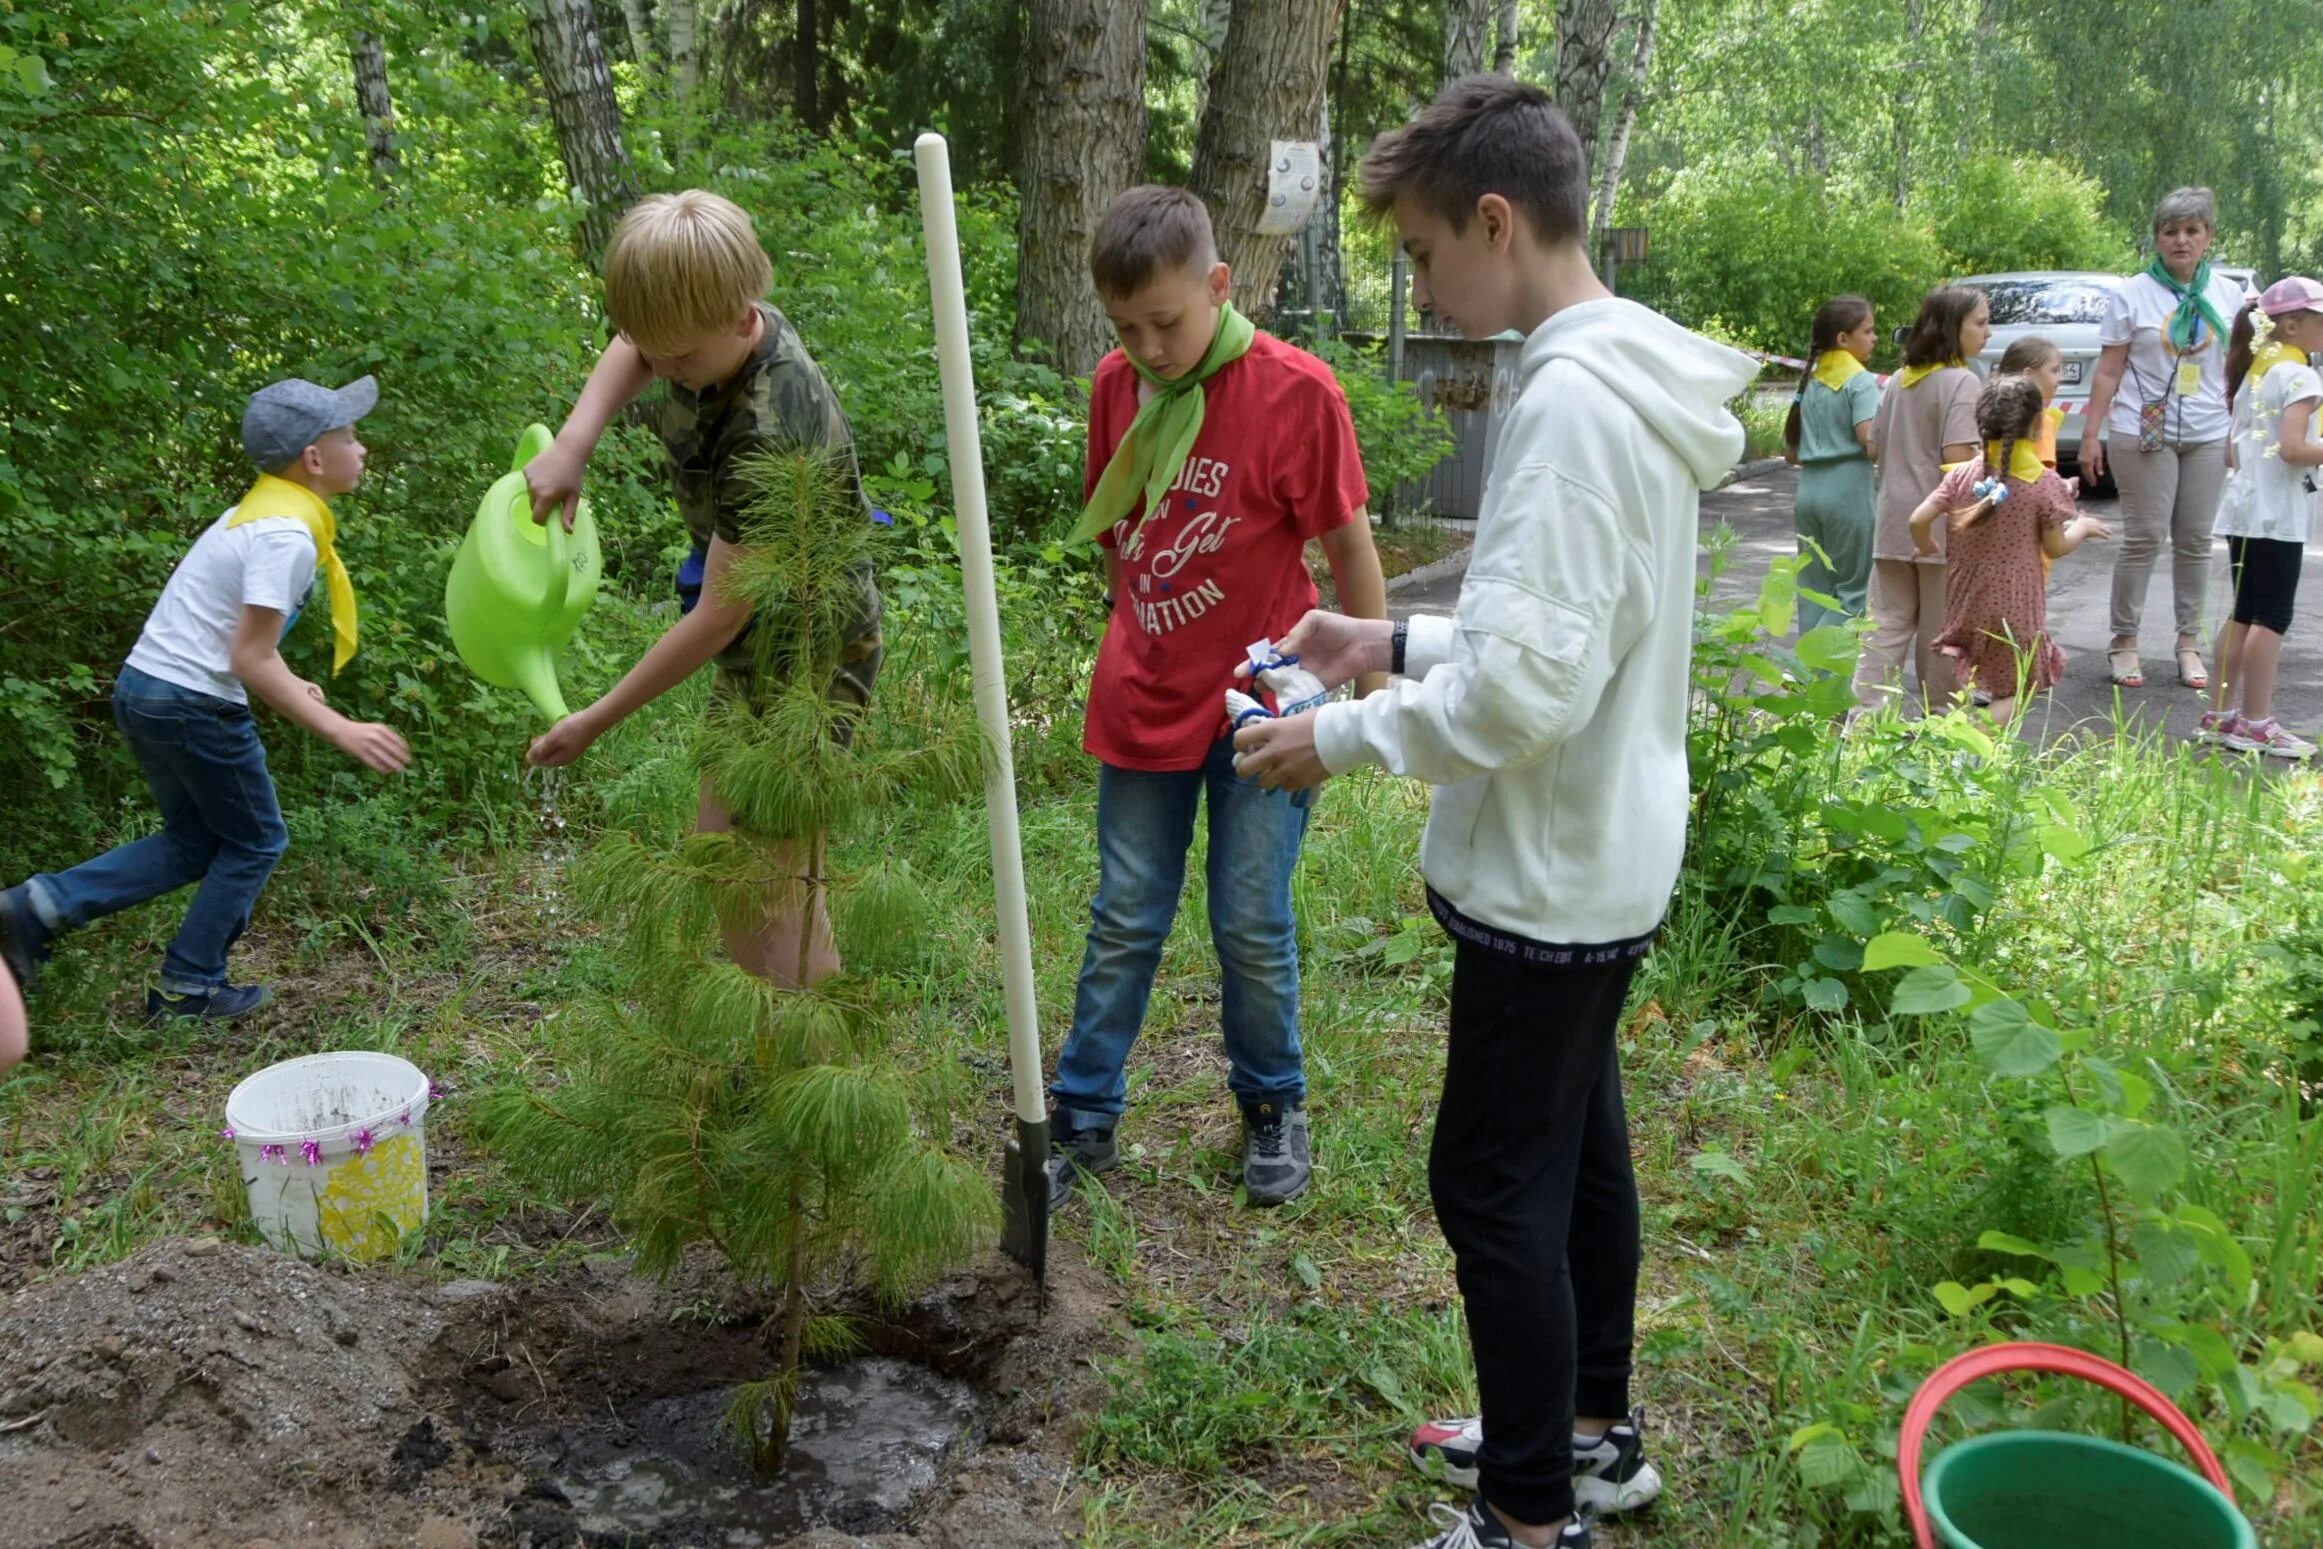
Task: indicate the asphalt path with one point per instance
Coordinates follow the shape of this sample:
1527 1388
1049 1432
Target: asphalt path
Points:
1757 506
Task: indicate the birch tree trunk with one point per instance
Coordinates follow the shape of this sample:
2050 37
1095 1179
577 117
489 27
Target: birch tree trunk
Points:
1641 63
378 108
571 61
1466 26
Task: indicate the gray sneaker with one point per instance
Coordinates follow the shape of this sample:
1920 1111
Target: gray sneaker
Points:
1074 1151
1276 1157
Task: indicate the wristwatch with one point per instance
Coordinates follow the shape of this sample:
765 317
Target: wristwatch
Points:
1397 641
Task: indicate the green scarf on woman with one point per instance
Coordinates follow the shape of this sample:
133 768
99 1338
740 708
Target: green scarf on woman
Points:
1161 438
2194 308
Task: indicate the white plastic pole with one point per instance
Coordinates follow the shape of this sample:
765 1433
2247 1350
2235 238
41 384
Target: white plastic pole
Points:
967 459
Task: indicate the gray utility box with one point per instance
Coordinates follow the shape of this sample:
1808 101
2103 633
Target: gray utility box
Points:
1472 383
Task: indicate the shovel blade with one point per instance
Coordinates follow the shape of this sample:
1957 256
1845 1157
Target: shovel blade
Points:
1024 1197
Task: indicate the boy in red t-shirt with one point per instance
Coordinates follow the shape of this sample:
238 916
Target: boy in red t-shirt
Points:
1215 454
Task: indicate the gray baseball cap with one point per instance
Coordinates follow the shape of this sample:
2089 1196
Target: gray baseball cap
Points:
285 418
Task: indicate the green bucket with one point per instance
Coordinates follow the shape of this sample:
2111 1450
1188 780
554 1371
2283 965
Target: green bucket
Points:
2054 1490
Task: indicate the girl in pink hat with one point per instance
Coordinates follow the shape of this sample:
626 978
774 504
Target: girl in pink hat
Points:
2267 515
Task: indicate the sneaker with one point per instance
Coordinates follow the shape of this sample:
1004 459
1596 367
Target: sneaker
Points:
1074 1151
226 1003
1277 1159
2268 737
23 939
1610 1473
1477 1528
2215 724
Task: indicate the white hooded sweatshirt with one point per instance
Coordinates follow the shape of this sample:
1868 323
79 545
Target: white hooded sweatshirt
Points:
1550 709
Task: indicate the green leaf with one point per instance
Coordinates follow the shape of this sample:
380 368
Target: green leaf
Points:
2066 843
1309 1275
1790 914
1720 1163
2289 1406
2002 1242
1829 1463
1876 1494
2074 1131
1807 1433
1853 913
2147 1158
2206 1344
1825 995
2010 1042
1839 954
2164 1256
1926 991
1898 949
1826 648
1955 1298
2168 1367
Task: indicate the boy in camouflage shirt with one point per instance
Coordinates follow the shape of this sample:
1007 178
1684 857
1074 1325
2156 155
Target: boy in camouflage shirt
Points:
684 274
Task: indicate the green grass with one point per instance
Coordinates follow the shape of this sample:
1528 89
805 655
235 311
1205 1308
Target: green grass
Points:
1809 1177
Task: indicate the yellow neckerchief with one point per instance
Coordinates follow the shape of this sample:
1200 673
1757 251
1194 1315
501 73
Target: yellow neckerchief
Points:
2024 460
271 496
2271 356
1836 368
1913 376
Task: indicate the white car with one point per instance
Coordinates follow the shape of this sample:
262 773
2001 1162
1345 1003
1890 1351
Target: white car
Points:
2065 307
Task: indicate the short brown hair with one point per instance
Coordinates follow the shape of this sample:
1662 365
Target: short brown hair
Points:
1149 230
1485 134
680 266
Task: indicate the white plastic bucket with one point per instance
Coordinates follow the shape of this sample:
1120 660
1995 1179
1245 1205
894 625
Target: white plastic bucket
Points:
334 1151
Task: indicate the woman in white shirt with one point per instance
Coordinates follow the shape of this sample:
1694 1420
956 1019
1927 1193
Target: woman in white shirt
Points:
2268 513
2160 394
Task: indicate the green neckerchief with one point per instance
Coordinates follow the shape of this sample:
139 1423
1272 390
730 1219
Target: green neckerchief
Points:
1161 438
2193 304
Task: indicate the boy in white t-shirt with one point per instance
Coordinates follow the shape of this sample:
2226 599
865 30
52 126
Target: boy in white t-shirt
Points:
183 705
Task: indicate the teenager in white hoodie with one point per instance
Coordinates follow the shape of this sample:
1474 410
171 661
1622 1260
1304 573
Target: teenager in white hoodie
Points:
1550 713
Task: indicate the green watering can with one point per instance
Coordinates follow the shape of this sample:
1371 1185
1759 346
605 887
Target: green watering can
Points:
519 587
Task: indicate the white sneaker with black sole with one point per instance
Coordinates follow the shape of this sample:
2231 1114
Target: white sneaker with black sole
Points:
1610 1473
1475 1527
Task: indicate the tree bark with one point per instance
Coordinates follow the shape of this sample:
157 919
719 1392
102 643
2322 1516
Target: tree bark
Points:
571 61
1641 63
685 43
378 108
1467 24
639 21
1269 86
807 61
1504 39
1083 143
1215 15
1584 60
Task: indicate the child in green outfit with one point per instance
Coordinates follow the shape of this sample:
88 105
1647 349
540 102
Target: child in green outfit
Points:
1828 435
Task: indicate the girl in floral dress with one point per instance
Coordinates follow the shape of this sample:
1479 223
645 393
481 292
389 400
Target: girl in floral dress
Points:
2004 512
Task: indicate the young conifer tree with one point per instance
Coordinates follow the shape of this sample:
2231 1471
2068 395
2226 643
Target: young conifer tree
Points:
789 1128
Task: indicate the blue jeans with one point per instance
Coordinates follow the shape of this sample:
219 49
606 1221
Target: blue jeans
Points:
220 826
1145 822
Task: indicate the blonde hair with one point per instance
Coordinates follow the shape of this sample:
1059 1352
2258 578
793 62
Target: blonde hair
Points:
681 266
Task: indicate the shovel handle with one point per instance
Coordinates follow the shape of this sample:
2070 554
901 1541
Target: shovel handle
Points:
1991 1361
